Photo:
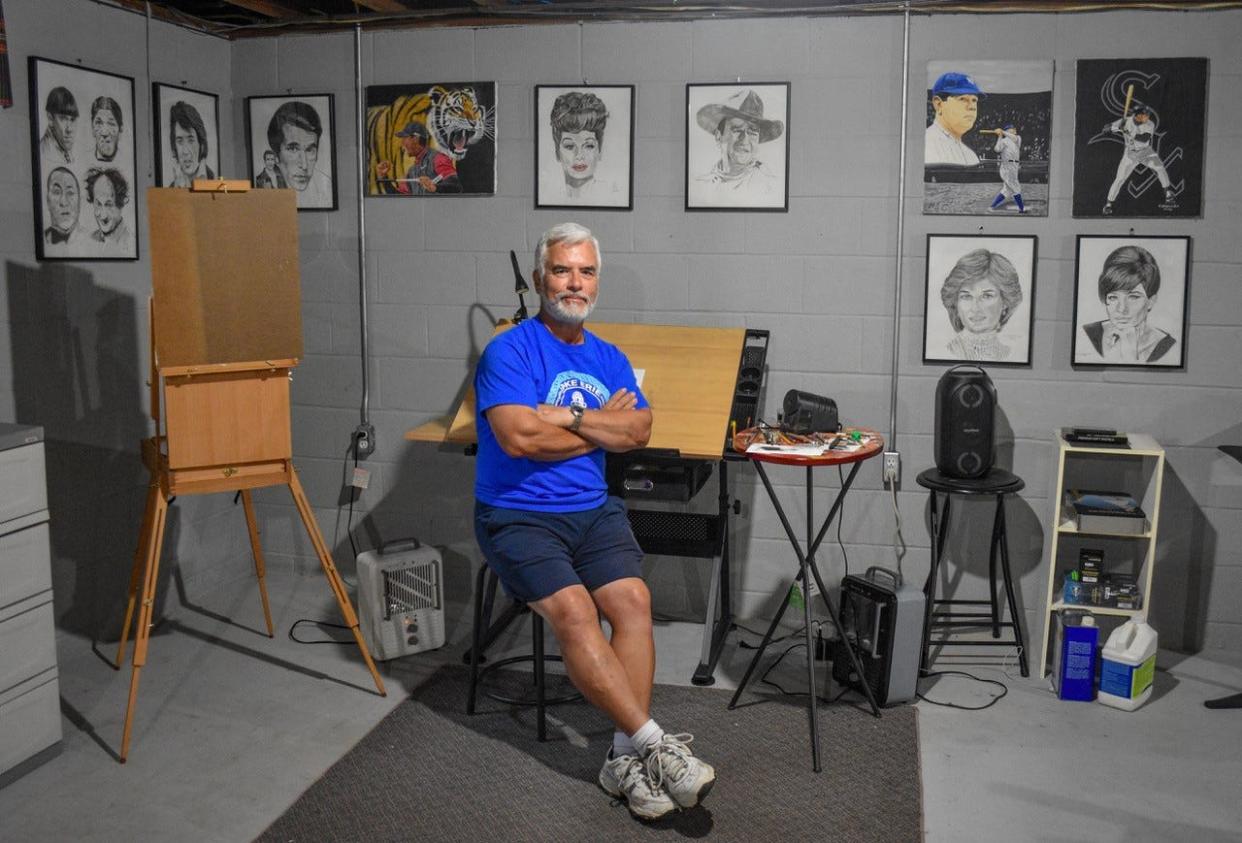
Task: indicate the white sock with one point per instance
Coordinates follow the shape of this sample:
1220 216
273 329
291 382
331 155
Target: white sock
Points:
647 736
622 745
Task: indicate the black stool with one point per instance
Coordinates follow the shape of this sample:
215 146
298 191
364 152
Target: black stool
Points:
998 483
485 632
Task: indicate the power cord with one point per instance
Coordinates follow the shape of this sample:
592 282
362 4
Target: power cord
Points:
1004 690
841 518
766 681
899 541
294 626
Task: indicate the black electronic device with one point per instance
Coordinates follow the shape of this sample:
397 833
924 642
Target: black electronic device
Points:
805 412
965 418
1096 436
883 618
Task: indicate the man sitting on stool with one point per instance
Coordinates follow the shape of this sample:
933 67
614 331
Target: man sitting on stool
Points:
551 399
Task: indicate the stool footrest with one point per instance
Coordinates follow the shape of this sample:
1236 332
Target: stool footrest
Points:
957 642
985 620
498 697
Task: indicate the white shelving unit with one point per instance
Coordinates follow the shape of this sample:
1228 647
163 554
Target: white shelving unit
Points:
1137 470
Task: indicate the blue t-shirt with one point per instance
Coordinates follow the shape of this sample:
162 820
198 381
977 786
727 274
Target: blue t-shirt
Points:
528 365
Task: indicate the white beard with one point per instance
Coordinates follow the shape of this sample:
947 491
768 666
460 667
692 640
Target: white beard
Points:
553 307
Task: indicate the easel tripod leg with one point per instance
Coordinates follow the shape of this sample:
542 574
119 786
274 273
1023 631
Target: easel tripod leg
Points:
154 545
334 578
135 572
260 569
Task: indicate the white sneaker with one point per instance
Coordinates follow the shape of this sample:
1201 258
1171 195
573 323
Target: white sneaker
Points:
672 766
625 777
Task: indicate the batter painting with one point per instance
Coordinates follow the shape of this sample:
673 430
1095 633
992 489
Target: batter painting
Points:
987 140
1139 138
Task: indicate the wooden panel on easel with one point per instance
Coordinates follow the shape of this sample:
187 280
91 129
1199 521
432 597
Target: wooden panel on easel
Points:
224 270
202 415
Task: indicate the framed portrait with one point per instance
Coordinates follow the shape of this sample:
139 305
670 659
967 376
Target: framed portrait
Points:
1130 301
980 299
737 147
574 168
431 139
1138 137
988 138
187 135
84 173
291 143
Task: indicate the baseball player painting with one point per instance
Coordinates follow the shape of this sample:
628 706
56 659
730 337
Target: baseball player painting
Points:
1008 149
1138 138
1138 130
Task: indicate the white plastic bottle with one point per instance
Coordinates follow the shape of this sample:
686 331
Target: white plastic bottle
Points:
1128 666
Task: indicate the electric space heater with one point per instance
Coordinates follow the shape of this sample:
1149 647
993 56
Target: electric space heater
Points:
401 599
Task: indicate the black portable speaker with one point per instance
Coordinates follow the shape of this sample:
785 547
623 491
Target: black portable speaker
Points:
806 412
965 407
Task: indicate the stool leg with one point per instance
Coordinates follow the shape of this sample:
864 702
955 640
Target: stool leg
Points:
992 550
1020 639
939 527
476 638
536 625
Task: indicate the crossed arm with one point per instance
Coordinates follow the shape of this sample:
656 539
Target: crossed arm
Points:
541 433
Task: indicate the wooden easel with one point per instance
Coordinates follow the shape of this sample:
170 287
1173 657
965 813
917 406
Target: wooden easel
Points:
226 334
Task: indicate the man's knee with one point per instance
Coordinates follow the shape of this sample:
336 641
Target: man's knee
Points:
625 601
568 610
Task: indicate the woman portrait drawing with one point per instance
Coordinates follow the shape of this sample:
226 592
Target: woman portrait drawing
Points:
1130 301
582 171
1129 285
984 283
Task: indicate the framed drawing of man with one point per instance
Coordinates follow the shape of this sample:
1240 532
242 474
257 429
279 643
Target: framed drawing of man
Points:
1138 137
82 138
187 135
584 146
737 147
980 295
298 132
431 139
1130 301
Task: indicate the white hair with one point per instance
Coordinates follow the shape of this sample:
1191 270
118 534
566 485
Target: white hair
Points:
569 233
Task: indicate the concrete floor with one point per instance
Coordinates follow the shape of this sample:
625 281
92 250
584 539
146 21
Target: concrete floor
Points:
232 726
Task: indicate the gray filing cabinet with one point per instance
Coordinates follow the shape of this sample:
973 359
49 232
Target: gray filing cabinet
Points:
29 693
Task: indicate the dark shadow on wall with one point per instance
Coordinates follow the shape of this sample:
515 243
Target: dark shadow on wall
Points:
1185 557
75 362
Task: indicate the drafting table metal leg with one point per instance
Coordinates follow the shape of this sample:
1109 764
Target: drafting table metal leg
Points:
153 544
334 578
719 615
260 569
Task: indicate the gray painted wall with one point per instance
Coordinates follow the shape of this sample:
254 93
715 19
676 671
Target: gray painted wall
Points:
820 278
73 336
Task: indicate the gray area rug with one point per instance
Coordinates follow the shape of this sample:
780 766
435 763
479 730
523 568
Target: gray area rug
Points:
429 772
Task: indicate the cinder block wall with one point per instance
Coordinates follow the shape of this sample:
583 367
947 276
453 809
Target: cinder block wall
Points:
73 336
821 278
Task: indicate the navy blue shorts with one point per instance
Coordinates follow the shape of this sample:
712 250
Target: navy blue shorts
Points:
536 554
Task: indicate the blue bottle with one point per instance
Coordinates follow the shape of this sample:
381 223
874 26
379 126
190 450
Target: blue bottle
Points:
1073 666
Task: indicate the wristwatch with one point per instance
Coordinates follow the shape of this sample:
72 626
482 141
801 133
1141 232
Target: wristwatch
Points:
577 411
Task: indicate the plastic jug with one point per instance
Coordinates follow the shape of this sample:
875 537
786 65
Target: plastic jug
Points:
1073 668
1128 666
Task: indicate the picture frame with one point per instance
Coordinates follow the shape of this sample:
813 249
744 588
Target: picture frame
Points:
186 135
574 167
305 159
751 173
1130 300
980 298
431 139
84 162
988 140
1132 165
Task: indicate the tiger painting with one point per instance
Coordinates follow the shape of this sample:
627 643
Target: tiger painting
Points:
459 121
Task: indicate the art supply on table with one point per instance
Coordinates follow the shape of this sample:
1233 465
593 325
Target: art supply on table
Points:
1128 666
1073 666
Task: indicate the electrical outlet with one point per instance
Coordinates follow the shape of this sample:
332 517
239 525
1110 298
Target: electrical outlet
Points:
892 468
364 441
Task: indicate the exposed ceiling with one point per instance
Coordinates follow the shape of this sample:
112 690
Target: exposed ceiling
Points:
249 18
